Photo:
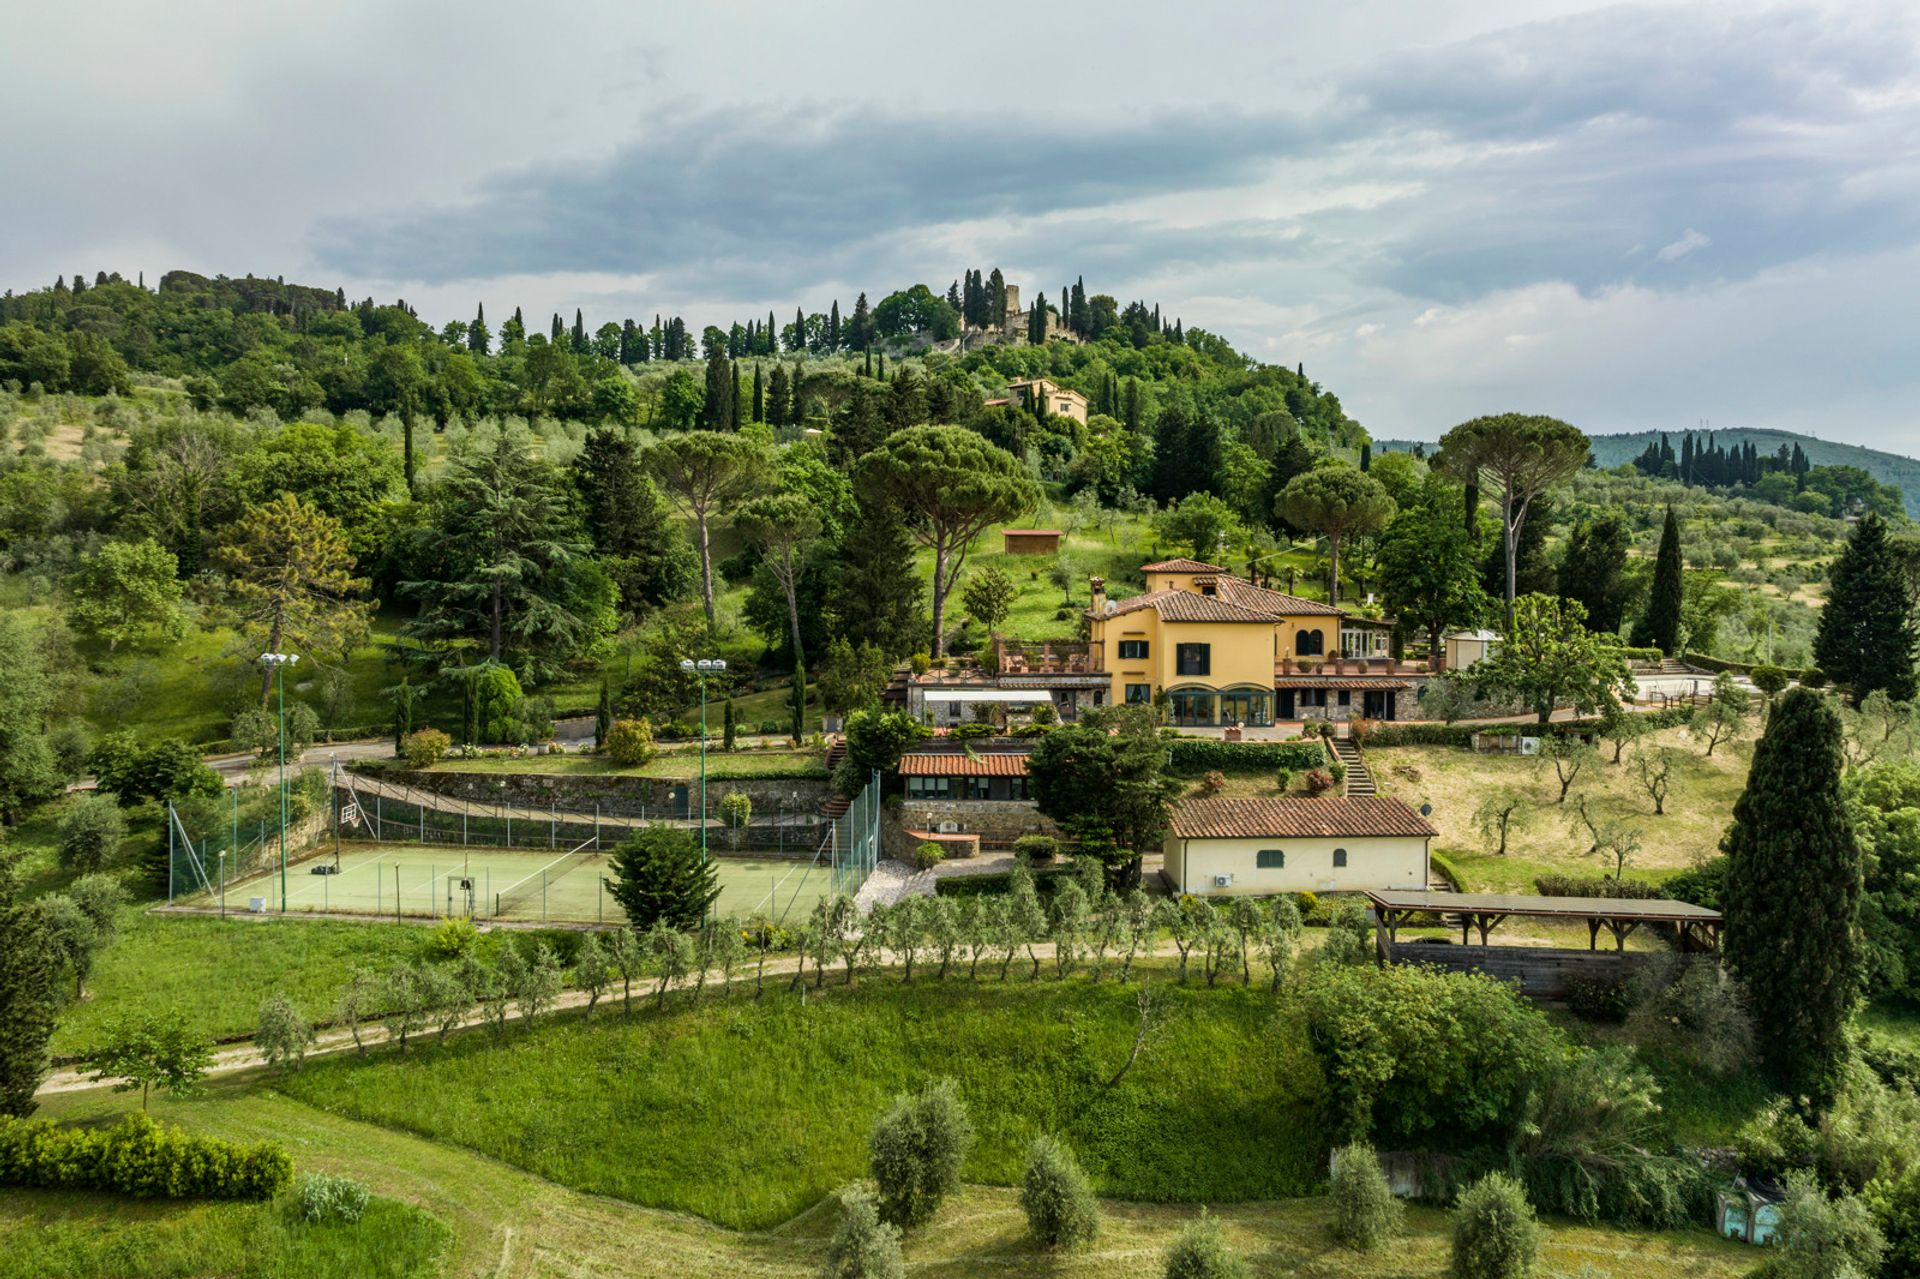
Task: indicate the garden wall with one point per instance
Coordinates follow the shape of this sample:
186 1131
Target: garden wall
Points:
1543 973
617 796
997 822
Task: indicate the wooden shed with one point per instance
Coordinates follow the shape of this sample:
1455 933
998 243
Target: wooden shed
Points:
1032 541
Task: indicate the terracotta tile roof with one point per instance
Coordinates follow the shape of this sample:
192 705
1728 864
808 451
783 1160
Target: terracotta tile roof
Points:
1247 595
1340 681
1186 606
1181 566
1334 816
1032 532
945 764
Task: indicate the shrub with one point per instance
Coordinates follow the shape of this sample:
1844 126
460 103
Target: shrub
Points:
863 1246
1283 778
629 743
736 809
1595 886
425 747
1306 903
1495 1234
1338 771
1691 1011
1200 1252
91 830
323 1198
1703 885
1445 865
1055 1195
1212 782
1198 754
1036 848
1319 781
1813 677
928 855
1409 1050
139 1157
1896 1210
1365 1213
1823 1238
1598 998
1769 679
452 938
916 1150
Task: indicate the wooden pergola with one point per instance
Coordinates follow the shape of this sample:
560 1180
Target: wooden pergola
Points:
1693 928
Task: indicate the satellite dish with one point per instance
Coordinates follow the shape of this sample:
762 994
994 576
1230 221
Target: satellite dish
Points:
1112 605
1426 810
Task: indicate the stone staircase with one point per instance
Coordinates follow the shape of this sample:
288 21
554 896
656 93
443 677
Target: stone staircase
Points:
1359 777
834 807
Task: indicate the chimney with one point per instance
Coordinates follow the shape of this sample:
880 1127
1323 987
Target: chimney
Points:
1097 591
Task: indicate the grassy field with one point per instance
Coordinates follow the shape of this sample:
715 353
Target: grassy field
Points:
746 1113
512 1224
1455 781
80 1235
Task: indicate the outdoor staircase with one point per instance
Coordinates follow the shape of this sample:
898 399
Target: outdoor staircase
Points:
834 807
1359 777
1674 666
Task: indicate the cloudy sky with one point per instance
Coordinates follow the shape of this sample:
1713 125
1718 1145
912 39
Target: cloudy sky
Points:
1629 216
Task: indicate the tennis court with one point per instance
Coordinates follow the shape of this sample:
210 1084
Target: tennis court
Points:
416 881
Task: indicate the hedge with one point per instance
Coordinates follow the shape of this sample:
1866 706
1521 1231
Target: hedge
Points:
1203 754
1046 882
1738 668
1462 734
138 1156
1444 864
1596 886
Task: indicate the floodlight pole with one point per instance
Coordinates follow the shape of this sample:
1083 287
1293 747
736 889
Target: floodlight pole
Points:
701 669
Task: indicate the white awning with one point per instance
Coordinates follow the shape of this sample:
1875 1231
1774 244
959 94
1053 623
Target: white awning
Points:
988 695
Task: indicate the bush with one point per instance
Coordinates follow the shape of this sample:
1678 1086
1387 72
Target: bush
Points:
425 747
1212 782
1813 677
1823 1238
1199 754
928 855
1319 781
1283 778
452 938
1703 885
1896 1211
1690 1010
736 809
1365 1213
1306 903
1596 886
916 1150
629 743
283 1033
1598 998
91 830
323 1198
1770 679
1055 1195
1200 1252
139 1157
1338 771
1495 1234
1036 848
863 1246
971 732
1445 865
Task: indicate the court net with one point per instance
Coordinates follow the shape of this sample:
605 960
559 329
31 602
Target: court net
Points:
537 884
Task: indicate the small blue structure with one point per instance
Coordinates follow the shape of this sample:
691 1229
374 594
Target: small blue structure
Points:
1748 1210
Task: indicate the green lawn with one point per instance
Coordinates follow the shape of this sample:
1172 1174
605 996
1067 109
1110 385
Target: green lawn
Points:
83 1235
746 1113
216 972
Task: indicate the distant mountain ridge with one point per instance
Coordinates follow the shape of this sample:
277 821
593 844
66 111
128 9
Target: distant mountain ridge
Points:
1889 468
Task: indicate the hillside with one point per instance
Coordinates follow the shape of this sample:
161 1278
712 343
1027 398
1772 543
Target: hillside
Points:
1609 451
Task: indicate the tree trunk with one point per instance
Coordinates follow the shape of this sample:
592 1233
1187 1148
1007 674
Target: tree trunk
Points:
1333 568
706 564
494 626
939 599
1513 553
266 672
789 582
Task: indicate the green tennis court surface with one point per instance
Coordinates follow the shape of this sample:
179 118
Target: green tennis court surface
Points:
409 880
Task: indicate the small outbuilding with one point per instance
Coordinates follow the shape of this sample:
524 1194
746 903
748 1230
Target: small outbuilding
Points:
1031 541
1465 648
1227 847
1748 1210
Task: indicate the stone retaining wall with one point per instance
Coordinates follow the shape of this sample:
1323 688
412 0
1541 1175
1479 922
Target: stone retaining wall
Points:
617 796
996 822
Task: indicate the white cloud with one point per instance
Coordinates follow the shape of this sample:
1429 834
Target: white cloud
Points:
1686 244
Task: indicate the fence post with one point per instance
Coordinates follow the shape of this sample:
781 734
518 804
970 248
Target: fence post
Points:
553 825
396 892
379 830
543 896
596 825
170 853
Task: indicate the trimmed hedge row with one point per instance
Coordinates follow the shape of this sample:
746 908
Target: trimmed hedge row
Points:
1203 754
139 1157
1597 886
1390 735
1445 865
1738 668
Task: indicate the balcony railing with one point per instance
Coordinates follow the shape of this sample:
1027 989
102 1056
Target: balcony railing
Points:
1352 666
1047 657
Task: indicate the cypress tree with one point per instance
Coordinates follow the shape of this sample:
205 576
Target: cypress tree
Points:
29 994
877 594
777 397
1593 570
479 337
579 333
603 714
717 412
799 329
1867 637
558 329
1659 626
880 367
727 726
796 409
1792 896
733 399
759 397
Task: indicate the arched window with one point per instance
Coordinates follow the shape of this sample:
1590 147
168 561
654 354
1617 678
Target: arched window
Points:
1309 643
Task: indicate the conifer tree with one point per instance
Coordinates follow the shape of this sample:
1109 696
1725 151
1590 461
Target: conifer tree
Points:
1593 569
796 407
579 333
1867 637
1080 319
558 329
479 336
29 997
734 398
1659 626
997 298
797 703
877 593
1792 896
759 396
777 396
717 412
833 326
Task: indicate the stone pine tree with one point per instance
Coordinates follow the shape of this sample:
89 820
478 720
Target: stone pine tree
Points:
1792 896
1659 626
1516 458
1867 635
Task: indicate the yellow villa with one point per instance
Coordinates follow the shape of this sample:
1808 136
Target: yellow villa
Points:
1227 652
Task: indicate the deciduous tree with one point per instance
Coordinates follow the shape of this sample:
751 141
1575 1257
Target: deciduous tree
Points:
125 589
1549 656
